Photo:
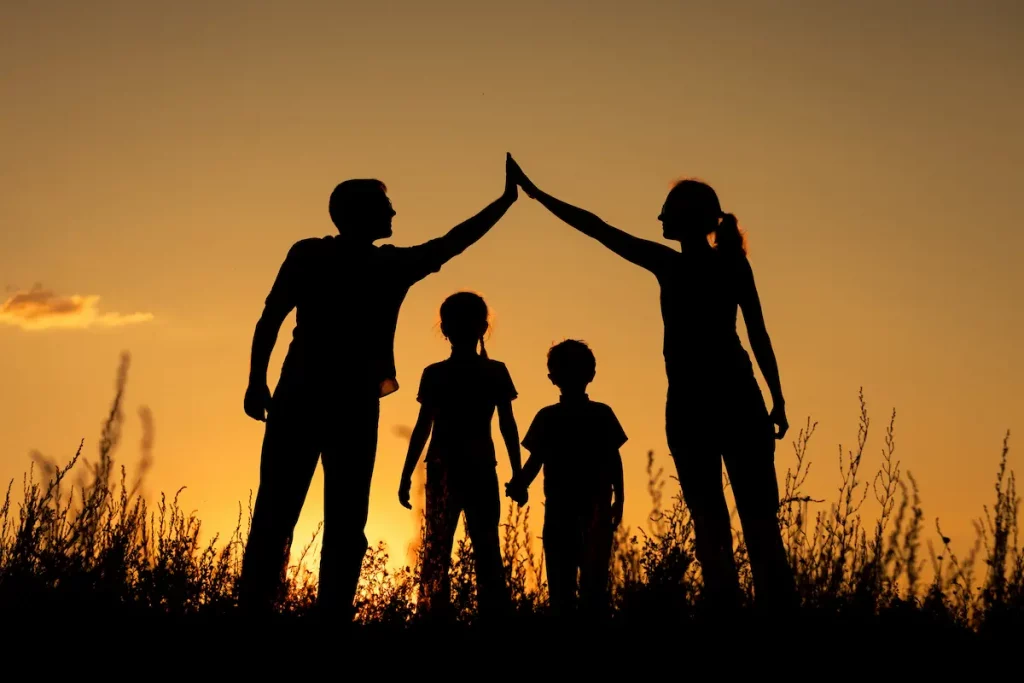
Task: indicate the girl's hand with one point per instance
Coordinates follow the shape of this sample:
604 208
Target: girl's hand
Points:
403 492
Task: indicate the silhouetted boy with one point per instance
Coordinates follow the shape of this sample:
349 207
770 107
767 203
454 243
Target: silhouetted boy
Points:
577 443
347 293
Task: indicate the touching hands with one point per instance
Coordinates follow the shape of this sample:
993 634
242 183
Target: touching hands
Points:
513 169
257 401
517 492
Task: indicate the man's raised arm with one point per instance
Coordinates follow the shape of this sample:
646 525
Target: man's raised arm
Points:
456 240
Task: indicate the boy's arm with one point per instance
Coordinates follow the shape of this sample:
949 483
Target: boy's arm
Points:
418 439
510 433
531 469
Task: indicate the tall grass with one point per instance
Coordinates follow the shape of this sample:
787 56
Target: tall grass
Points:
95 543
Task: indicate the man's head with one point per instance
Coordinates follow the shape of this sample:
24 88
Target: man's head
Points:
571 366
360 208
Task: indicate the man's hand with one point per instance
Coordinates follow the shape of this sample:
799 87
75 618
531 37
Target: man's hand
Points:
403 492
257 401
511 186
778 417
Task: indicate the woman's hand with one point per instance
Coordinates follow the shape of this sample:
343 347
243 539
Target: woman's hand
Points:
403 492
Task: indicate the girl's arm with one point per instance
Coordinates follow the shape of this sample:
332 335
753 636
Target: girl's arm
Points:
644 253
510 433
761 344
420 434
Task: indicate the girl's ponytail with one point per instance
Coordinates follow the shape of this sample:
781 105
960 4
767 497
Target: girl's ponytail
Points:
483 349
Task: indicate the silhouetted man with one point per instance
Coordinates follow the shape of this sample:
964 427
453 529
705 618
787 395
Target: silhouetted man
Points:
347 293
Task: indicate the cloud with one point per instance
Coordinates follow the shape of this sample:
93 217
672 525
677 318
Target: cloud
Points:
40 309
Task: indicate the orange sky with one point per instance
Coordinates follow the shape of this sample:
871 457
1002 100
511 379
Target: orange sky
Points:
164 160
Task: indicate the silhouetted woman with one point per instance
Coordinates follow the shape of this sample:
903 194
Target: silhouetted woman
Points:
714 408
458 398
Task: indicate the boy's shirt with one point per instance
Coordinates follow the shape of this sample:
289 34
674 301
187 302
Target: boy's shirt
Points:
579 440
463 394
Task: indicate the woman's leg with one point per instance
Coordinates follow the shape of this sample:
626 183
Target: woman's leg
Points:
750 461
699 467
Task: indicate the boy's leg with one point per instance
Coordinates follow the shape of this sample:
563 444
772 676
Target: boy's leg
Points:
750 462
442 511
562 559
483 514
287 464
596 565
348 459
699 467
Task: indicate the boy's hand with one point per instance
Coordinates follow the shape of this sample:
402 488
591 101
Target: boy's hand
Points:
616 512
257 401
403 492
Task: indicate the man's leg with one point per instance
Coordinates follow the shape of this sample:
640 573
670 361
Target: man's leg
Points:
483 515
348 458
287 464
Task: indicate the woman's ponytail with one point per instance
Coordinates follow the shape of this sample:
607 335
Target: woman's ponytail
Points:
483 349
728 236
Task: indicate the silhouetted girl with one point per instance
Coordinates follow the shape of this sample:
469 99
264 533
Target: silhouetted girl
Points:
458 398
714 407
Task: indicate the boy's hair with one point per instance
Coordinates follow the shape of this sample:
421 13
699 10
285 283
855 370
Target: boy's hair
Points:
571 363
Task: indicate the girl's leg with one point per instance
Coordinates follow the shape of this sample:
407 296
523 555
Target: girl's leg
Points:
441 510
483 514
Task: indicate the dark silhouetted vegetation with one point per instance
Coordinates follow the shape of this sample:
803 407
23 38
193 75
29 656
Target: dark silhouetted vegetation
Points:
83 540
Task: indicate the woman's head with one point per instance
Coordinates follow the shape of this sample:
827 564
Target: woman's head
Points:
465 320
692 212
